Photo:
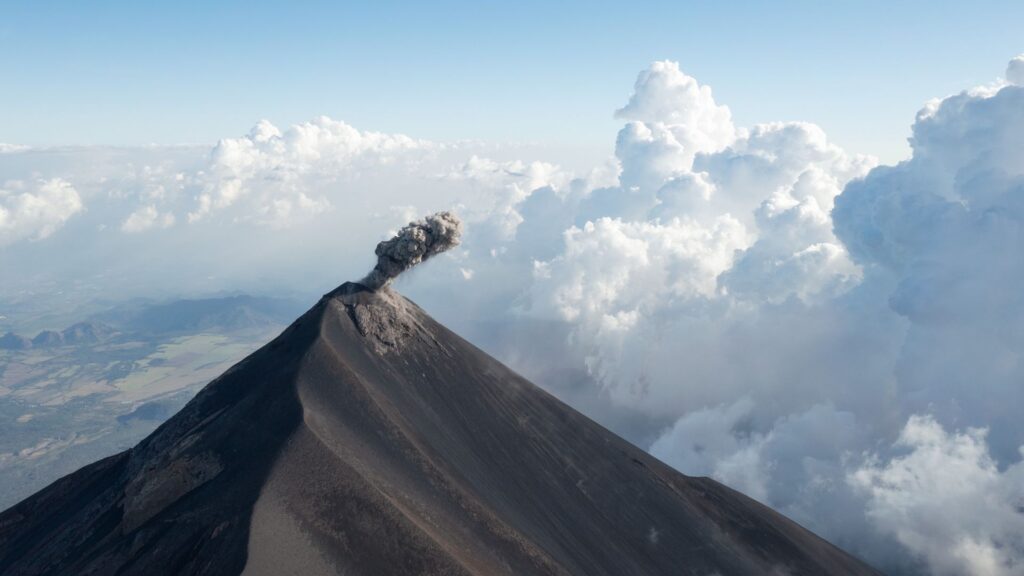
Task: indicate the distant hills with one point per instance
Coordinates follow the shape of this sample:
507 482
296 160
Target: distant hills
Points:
221 314
79 333
227 313
72 394
12 341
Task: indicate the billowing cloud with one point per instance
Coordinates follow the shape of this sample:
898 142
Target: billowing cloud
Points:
270 170
35 210
612 267
507 184
683 238
680 110
943 229
785 305
947 500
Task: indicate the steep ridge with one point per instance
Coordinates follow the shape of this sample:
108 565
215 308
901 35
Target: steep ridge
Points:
369 439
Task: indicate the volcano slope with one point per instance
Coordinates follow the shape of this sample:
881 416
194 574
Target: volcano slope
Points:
367 439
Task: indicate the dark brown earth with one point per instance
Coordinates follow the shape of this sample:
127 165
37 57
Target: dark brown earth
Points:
367 439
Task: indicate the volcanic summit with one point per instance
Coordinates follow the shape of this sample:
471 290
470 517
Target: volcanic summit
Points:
368 439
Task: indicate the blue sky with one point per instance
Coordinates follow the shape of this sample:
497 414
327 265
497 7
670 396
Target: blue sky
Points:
128 73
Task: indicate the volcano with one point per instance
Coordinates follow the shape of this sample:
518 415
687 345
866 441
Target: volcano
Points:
368 439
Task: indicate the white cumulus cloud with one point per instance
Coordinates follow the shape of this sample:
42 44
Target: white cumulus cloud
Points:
1015 71
145 218
947 500
270 171
664 96
35 210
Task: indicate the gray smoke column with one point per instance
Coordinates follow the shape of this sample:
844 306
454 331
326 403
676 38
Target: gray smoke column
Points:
414 243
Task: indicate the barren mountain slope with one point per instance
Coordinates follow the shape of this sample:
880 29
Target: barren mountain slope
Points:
369 439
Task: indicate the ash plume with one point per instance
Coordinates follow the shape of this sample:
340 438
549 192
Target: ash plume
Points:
414 243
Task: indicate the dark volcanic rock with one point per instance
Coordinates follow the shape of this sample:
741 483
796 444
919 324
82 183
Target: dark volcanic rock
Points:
369 439
12 341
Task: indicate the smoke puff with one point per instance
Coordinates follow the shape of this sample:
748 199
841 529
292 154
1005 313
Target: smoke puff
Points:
414 243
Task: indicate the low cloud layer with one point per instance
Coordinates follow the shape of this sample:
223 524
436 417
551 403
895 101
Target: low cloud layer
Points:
838 339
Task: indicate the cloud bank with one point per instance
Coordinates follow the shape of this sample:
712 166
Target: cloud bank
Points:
819 332
838 339
268 169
